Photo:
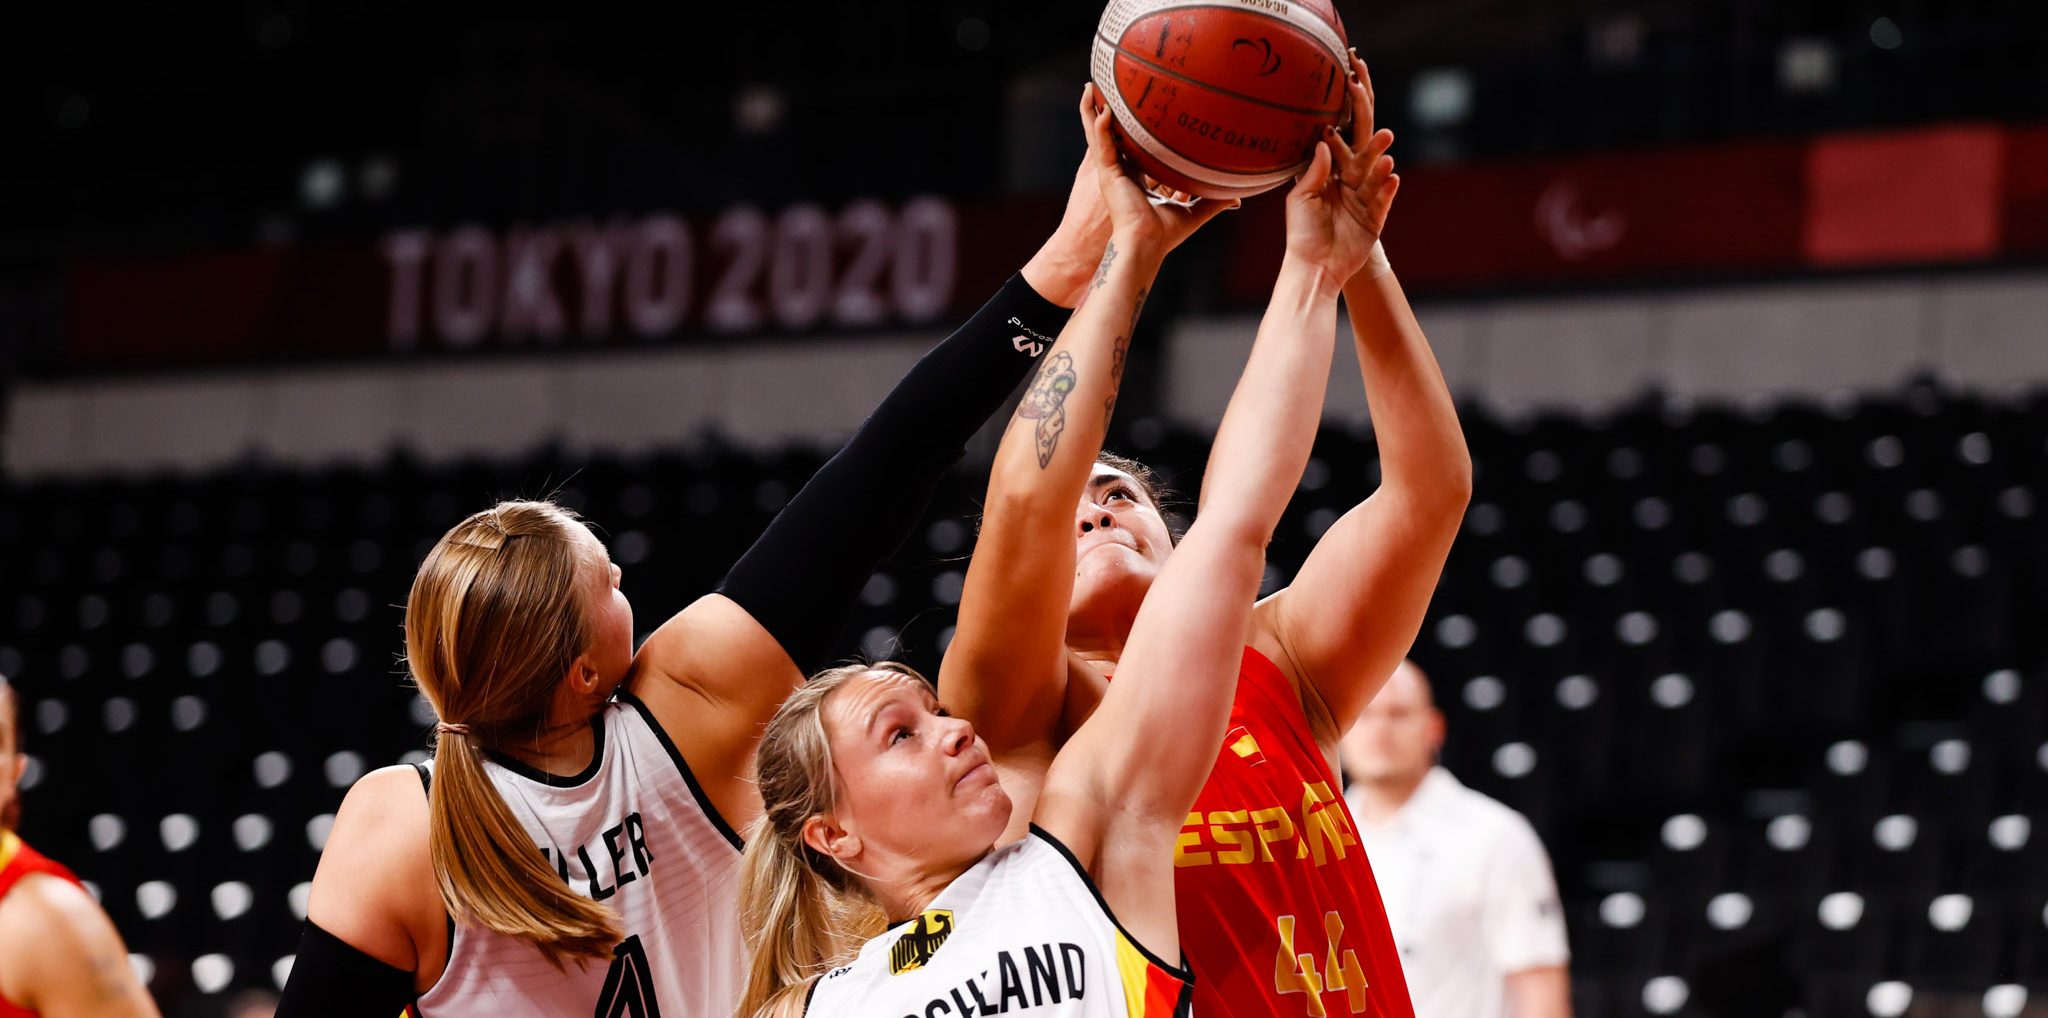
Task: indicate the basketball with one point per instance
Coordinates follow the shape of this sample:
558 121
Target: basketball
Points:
1222 99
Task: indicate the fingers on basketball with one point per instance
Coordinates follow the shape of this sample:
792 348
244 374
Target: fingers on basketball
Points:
1086 174
1340 147
1360 113
1101 146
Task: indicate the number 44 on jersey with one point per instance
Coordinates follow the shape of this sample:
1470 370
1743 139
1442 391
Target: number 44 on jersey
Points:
1296 973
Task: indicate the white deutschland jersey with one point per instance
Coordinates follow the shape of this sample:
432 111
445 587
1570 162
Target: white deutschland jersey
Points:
1022 932
633 831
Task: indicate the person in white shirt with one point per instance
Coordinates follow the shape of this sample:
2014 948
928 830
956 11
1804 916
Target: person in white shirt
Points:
1467 884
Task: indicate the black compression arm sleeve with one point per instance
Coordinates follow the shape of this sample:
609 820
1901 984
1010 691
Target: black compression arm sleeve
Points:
800 579
330 977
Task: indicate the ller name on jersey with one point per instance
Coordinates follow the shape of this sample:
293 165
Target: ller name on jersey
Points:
627 837
1048 974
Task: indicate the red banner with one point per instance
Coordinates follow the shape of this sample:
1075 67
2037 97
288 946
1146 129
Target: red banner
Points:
2024 224
1959 193
653 278
1898 197
1967 193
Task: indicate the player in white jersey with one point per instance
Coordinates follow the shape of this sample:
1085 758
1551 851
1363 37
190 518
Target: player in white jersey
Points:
573 852
630 831
873 884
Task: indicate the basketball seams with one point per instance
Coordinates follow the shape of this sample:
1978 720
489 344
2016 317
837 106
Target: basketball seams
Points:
1307 26
1105 57
1167 72
1121 13
1286 170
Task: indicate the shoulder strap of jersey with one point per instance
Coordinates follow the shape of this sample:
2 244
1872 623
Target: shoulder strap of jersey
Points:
1151 987
18 860
427 785
1177 971
675 756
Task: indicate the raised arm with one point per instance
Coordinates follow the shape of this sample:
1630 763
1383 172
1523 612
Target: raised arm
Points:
1120 789
1355 605
1006 667
717 670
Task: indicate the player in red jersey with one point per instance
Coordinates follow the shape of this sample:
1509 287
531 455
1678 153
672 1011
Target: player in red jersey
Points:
1278 910
60 956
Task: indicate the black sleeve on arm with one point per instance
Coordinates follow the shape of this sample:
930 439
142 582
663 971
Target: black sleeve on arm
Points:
329 977
800 579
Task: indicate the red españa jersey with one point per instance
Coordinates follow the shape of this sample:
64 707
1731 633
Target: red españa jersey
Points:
17 860
1279 914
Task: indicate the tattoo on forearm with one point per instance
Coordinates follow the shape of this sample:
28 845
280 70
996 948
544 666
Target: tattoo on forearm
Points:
1102 270
1116 375
1046 403
1116 359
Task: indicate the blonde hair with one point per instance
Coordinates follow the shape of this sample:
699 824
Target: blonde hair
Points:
800 911
494 622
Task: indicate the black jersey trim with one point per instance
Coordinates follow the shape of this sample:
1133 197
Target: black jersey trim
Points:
1181 972
541 777
427 785
689 778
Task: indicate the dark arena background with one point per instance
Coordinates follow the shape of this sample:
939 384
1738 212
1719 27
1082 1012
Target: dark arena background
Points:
1743 303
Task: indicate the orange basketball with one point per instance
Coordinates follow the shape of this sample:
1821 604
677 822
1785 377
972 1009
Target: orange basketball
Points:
1222 99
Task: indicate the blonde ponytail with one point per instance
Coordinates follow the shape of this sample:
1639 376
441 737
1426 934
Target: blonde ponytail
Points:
493 876
800 912
493 624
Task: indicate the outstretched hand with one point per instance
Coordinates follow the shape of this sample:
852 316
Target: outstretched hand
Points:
1140 222
1339 206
